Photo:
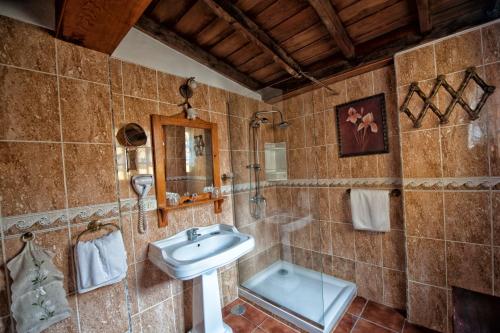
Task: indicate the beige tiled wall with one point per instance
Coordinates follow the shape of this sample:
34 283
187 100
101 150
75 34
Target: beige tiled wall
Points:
451 231
264 229
328 242
61 108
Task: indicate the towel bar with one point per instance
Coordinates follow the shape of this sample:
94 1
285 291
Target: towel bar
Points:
27 236
394 193
95 226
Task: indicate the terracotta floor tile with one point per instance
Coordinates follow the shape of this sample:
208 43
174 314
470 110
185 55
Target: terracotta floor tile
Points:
346 323
383 315
227 309
411 328
258 330
271 325
239 324
363 326
254 315
357 306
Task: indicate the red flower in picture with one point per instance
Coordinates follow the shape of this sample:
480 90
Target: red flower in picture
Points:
361 122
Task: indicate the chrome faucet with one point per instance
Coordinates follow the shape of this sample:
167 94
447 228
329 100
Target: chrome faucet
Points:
193 234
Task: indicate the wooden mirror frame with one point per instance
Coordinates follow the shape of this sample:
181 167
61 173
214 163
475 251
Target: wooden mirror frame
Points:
159 154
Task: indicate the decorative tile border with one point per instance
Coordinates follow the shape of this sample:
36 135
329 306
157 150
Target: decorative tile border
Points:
330 182
472 183
23 222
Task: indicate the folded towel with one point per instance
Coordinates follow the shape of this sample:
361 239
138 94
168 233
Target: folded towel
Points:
38 296
100 262
370 209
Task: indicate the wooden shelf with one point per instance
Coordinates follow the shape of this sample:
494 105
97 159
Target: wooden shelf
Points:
163 210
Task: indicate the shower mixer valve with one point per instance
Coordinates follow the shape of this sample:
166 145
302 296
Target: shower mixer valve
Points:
253 166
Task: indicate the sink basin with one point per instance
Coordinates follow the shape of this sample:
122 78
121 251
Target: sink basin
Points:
209 245
183 259
217 245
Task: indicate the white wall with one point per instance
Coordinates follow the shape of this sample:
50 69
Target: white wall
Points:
37 12
136 47
139 48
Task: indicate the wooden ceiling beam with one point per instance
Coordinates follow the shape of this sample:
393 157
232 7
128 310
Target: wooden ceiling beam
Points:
96 24
424 16
271 96
240 22
334 25
172 39
373 54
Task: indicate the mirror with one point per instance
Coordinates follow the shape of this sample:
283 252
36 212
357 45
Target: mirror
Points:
130 136
275 161
134 135
186 156
189 160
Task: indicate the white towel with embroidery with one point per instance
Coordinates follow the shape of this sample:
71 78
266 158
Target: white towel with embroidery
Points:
38 296
100 262
370 210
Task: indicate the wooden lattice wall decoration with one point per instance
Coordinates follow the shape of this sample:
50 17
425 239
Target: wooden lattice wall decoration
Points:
455 94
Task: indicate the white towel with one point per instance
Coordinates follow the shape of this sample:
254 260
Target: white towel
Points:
100 262
370 210
38 296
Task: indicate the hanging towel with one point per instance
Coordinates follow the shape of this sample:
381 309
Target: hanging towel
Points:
100 262
370 210
38 296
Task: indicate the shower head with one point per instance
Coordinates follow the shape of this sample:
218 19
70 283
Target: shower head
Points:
258 119
255 123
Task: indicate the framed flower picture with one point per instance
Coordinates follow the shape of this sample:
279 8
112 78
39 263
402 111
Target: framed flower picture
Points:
362 127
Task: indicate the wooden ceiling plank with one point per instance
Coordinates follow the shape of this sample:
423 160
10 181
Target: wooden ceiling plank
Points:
294 25
330 80
378 24
455 13
97 25
274 76
332 22
244 54
341 4
228 45
424 16
169 12
266 71
252 7
373 54
239 21
194 20
304 38
213 33
442 5
170 38
278 12
321 45
362 9
255 63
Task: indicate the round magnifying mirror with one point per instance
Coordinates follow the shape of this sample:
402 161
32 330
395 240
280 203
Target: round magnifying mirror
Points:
133 135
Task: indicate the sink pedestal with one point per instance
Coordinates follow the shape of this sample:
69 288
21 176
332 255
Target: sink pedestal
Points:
207 313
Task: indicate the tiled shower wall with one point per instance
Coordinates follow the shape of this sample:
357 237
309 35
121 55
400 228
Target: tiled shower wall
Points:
328 242
61 108
452 229
264 229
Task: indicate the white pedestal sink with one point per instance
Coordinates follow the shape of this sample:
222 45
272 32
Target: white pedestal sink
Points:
198 256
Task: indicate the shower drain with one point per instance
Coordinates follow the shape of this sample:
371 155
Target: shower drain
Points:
238 310
283 272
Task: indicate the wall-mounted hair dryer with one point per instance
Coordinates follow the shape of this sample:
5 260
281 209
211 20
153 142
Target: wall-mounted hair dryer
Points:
142 184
